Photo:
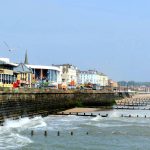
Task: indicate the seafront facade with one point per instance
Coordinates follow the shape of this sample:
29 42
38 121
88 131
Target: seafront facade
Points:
60 76
92 76
25 75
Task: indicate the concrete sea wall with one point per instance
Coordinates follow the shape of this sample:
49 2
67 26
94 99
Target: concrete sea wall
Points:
25 103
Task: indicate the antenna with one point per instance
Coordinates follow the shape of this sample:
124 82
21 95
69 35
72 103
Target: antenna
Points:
7 46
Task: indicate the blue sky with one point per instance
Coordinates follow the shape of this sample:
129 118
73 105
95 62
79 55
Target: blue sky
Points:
112 36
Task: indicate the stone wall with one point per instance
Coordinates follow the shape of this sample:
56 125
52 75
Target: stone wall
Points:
25 103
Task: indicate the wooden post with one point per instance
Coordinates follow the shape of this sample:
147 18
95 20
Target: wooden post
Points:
45 133
32 133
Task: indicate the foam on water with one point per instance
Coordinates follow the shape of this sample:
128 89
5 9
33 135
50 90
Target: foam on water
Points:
108 125
114 114
71 118
13 133
10 133
13 141
97 118
64 123
36 122
114 119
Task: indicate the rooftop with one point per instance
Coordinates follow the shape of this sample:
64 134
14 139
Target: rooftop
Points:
22 68
6 61
43 67
92 72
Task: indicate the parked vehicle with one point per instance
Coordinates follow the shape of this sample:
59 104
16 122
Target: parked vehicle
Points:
96 87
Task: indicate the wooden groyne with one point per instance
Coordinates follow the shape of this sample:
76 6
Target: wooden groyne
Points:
137 102
81 114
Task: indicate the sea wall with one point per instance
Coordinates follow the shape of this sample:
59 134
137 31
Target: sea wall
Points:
27 103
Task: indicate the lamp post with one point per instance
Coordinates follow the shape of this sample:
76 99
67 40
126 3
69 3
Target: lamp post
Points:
127 86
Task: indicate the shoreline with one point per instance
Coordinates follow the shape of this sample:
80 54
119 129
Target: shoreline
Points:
84 110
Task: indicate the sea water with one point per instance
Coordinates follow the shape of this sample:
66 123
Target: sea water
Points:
89 133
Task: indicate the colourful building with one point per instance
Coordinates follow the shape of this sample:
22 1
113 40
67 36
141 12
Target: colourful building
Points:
23 76
7 76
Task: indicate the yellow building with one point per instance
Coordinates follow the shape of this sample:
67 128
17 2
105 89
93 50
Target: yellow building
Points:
23 75
14 75
6 78
6 73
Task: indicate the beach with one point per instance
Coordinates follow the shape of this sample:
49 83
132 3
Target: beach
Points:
81 110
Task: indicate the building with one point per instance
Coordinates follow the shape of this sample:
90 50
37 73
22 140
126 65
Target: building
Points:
103 79
49 73
7 77
23 76
90 76
68 74
40 73
93 77
113 85
14 75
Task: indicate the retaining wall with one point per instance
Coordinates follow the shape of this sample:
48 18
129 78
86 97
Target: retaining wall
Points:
14 104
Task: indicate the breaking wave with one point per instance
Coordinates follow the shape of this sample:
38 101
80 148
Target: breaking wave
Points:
10 133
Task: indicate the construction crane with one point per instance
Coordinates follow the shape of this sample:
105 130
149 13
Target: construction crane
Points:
9 49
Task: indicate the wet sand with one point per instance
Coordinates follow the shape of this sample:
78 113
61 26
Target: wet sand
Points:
81 110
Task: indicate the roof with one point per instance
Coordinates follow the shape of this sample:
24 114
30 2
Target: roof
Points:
91 72
7 63
22 68
65 65
44 67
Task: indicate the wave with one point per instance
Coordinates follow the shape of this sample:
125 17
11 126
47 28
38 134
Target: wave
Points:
24 123
12 141
10 133
97 118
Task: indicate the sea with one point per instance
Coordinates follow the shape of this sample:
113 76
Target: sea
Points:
79 132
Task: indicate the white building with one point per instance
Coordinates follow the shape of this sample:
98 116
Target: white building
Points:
92 76
68 73
50 73
103 79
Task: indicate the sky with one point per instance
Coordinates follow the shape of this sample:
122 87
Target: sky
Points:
111 36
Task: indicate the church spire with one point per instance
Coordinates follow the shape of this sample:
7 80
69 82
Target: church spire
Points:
26 58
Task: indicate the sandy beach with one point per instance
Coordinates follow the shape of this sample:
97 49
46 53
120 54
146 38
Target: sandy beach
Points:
84 110
81 110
